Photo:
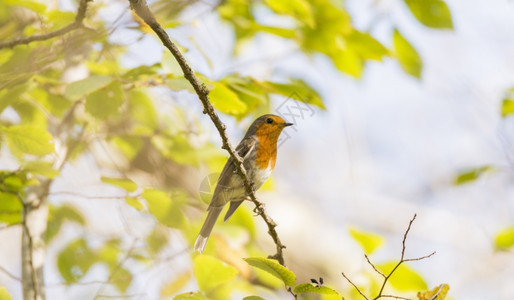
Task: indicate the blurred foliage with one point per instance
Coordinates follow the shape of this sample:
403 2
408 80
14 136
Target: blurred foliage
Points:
438 293
43 108
368 241
4 295
505 239
471 175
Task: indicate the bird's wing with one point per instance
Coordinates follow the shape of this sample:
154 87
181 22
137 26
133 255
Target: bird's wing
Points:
225 181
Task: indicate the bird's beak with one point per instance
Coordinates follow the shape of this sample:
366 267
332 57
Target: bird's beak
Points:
287 124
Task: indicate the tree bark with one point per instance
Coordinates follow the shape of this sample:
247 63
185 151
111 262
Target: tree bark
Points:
35 215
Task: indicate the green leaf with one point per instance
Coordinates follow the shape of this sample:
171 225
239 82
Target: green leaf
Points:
142 109
41 168
408 57
431 13
40 8
507 107
163 208
75 260
311 288
365 46
124 183
4 295
10 208
508 103
121 278
274 268
298 90
105 101
504 239
156 241
404 277
225 100
57 215
348 61
135 203
438 293
210 273
29 139
471 175
174 286
253 298
368 241
190 296
78 89
299 9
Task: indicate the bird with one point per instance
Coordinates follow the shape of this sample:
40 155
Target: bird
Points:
258 149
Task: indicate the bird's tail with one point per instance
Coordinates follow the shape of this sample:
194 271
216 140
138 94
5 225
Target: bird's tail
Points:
205 232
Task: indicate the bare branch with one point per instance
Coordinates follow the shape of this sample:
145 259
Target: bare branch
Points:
372 265
115 270
386 277
419 258
355 286
395 297
10 274
142 10
81 14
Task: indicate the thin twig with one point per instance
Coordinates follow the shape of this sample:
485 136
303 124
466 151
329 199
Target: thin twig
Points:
395 297
10 274
116 269
372 265
355 286
386 277
142 10
81 14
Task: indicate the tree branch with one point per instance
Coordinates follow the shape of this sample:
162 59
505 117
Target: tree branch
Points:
81 14
142 10
386 277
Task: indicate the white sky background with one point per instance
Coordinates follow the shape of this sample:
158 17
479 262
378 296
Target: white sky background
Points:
387 147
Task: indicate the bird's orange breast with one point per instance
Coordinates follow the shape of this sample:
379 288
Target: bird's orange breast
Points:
266 148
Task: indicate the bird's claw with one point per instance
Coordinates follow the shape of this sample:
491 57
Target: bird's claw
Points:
259 209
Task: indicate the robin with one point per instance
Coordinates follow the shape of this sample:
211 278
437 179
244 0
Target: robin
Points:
259 152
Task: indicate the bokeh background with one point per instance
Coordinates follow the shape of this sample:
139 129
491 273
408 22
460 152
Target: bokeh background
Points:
386 146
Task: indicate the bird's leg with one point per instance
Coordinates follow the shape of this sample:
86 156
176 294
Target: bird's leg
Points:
259 208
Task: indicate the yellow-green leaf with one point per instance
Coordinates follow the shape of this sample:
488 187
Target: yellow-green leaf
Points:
10 208
253 298
408 57
210 273
124 183
81 88
175 285
29 139
225 100
508 103
365 46
368 241
431 13
300 9
190 296
311 288
162 207
274 268
105 101
404 277
438 293
41 168
4 295
471 175
134 202
504 239
75 260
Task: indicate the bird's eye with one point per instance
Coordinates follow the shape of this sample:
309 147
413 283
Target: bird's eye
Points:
269 120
